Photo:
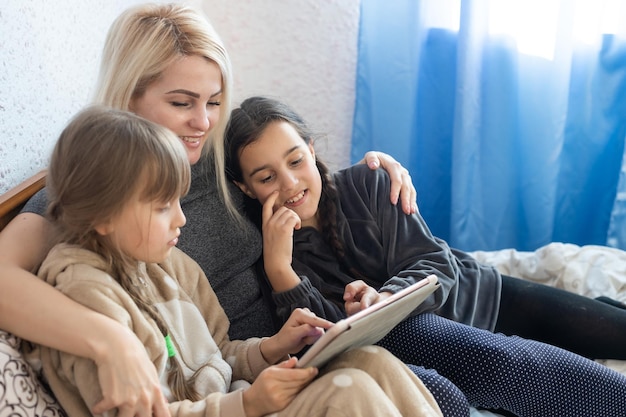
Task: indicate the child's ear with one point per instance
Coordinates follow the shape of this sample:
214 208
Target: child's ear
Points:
104 229
243 187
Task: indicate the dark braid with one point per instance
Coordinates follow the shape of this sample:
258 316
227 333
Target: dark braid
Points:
327 211
245 126
327 218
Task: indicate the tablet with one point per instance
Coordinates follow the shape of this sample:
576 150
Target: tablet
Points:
368 326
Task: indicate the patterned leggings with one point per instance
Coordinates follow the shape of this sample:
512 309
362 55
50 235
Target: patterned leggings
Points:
494 371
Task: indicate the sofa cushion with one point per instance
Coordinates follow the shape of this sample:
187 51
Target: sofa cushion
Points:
21 392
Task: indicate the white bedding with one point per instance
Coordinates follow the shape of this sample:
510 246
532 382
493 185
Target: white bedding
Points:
587 270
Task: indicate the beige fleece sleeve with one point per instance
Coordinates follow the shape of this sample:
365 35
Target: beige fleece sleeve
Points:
214 405
243 355
75 380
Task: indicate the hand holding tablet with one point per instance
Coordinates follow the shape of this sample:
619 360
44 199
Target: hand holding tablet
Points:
370 325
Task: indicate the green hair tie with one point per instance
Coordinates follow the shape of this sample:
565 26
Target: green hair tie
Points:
171 350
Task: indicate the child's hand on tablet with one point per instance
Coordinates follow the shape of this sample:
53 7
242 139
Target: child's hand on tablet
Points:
301 329
358 296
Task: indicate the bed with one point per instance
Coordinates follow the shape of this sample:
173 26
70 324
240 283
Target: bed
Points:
587 270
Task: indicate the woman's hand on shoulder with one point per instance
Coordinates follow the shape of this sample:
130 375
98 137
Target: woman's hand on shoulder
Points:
402 187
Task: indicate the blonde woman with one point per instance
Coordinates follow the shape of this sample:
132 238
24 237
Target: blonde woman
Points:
167 64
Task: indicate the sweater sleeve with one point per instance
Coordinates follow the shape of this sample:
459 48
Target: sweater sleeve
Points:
402 246
37 203
305 295
74 380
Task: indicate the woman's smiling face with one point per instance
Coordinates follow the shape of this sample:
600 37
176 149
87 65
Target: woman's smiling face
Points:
280 160
186 100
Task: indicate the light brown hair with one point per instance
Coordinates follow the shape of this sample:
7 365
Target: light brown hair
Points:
103 158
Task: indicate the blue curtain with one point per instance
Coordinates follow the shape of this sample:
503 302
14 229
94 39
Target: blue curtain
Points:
507 148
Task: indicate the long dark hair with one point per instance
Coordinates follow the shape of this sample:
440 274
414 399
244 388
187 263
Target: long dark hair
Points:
246 125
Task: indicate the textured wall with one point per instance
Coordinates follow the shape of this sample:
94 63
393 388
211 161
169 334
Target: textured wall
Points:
303 51
49 54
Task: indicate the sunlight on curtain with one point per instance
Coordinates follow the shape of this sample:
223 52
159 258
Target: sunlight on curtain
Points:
513 18
533 23
509 115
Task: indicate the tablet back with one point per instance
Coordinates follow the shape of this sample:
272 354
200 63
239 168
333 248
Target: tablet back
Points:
370 325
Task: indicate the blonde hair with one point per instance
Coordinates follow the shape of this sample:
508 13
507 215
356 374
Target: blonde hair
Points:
142 42
103 158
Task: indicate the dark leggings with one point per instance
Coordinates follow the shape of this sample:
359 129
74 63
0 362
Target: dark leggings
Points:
589 327
449 397
494 371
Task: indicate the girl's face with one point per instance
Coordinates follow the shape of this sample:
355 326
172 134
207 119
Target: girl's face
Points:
186 100
146 230
281 161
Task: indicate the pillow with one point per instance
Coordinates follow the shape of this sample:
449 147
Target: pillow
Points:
21 392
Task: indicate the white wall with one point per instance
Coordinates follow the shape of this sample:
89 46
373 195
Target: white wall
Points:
302 51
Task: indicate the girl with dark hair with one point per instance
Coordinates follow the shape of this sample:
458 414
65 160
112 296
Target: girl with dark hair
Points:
333 245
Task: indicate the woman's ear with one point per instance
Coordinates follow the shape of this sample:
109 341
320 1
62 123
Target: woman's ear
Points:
244 188
312 149
131 105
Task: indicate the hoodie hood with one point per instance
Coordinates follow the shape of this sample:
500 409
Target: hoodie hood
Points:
64 256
